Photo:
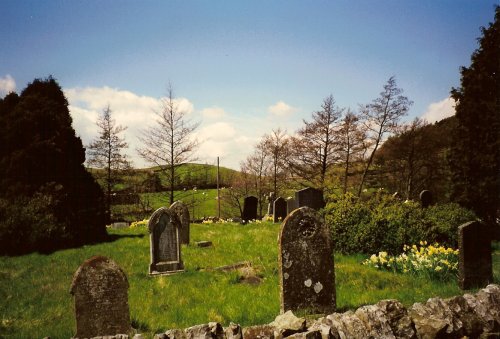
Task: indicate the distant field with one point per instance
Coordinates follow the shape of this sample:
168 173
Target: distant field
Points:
35 299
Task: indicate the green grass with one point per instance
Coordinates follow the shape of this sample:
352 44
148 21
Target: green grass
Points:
35 300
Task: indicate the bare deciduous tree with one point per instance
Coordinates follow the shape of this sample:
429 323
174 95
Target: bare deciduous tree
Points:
169 143
381 117
106 152
275 145
313 150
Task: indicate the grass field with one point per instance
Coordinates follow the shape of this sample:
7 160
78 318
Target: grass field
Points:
35 300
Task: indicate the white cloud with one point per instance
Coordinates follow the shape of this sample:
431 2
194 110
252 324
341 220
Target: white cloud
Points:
7 85
219 131
128 109
213 112
281 109
437 111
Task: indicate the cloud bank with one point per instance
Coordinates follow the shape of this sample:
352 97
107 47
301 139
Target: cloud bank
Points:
7 85
281 109
437 111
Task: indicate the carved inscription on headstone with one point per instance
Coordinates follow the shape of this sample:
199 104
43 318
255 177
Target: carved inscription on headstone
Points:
183 214
310 197
100 289
164 228
250 208
475 262
279 210
307 274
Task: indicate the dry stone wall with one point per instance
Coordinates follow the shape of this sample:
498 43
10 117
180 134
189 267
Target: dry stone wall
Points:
467 316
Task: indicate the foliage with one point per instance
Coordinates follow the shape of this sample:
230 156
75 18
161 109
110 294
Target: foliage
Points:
42 177
475 156
433 261
381 117
415 159
384 223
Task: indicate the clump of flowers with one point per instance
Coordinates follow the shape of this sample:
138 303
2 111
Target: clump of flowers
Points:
140 223
435 261
216 221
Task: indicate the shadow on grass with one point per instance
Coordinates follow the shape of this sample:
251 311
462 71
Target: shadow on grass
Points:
54 247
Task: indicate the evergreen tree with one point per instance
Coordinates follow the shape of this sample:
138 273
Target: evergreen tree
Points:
47 198
475 156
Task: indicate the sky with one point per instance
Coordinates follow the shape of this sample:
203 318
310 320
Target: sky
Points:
238 68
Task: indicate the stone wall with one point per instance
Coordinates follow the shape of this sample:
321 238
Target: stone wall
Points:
471 315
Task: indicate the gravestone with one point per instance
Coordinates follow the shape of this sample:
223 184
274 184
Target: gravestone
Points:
291 205
250 208
164 227
310 197
475 264
270 203
183 214
279 210
307 275
426 198
100 290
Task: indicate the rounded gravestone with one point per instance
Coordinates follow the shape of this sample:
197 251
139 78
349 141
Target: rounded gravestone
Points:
100 290
426 198
164 226
307 275
182 212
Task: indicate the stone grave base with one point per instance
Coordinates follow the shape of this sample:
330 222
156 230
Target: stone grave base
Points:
166 268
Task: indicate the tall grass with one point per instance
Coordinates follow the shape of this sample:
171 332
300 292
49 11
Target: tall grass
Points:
35 300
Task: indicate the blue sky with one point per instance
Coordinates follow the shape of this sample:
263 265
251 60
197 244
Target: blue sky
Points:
241 68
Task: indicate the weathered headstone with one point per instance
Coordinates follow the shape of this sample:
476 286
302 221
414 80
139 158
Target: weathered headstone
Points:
164 226
291 205
475 263
250 208
182 212
426 198
279 210
307 275
310 197
100 290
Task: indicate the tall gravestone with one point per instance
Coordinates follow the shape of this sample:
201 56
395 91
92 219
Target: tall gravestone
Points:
426 198
291 205
307 274
100 290
279 210
270 203
310 197
182 212
164 227
475 263
250 208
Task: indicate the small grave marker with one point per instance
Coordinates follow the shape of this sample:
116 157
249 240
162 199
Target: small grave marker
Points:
475 263
100 290
250 208
165 246
426 198
279 210
307 275
310 197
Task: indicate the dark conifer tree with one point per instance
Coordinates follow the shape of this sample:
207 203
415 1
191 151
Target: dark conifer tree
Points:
475 156
47 198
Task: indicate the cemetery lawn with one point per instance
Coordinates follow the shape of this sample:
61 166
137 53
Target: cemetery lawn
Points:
35 300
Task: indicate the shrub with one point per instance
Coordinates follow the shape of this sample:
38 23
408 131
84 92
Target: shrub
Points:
384 223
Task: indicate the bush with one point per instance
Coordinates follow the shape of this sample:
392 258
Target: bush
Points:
384 223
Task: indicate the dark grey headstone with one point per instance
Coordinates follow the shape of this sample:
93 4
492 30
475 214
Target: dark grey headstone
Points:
310 197
307 275
250 208
426 198
182 212
164 227
100 289
475 264
279 210
291 205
